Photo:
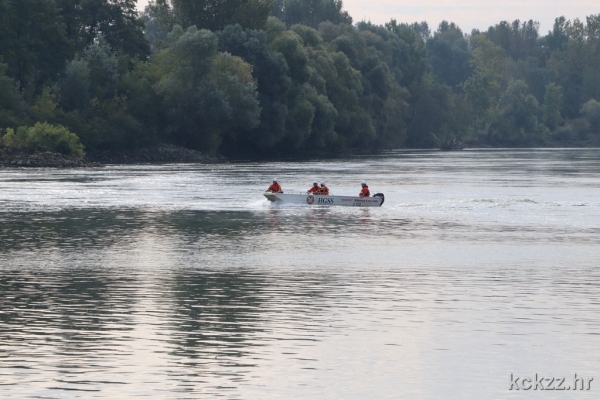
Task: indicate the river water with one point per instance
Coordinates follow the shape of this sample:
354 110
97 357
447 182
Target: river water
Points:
182 281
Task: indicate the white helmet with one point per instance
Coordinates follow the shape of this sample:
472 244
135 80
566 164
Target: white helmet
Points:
363 183
315 183
322 182
275 180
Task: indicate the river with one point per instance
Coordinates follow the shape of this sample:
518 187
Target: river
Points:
182 281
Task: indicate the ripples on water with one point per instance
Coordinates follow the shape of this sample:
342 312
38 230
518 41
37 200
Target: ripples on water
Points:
139 281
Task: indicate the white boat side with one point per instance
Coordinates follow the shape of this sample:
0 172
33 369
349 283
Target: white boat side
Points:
331 200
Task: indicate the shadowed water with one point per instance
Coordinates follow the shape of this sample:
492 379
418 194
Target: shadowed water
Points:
184 282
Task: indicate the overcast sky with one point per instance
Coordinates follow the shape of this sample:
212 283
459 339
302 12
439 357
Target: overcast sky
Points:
468 14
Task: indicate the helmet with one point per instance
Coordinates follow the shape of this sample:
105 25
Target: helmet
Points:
363 183
275 180
315 183
322 182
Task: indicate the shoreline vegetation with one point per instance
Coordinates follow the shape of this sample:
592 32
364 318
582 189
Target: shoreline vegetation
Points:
169 154
271 79
162 154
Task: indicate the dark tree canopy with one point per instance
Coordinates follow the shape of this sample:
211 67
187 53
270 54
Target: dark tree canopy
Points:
217 14
250 78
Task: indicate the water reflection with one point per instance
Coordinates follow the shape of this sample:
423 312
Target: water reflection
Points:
131 282
69 321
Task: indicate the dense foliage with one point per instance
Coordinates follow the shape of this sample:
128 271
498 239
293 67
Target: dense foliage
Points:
268 78
43 137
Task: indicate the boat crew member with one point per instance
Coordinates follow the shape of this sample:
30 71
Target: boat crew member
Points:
275 187
323 190
314 189
365 190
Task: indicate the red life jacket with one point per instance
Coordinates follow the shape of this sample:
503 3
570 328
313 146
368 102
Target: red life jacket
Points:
365 192
313 190
324 190
274 188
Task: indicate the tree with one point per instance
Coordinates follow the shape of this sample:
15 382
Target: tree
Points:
519 40
75 87
207 94
217 14
115 20
32 42
518 118
436 117
449 55
310 12
291 46
483 88
43 137
557 38
552 106
11 111
103 66
591 112
271 72
575 65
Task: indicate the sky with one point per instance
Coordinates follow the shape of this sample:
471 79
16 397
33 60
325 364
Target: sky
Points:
467 14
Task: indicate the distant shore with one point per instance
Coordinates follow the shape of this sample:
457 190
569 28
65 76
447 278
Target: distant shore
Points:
163 154
169 154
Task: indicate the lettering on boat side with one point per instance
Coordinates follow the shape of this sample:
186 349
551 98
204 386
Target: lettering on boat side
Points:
325 201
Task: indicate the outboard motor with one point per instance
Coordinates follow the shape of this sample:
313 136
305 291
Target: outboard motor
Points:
380 195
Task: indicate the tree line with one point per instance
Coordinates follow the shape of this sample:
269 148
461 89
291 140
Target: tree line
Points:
267 78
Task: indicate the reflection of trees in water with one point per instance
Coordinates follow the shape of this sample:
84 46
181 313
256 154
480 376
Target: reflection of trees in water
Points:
216 314
193 224
222 322
101 228
67 316
68 228
217 322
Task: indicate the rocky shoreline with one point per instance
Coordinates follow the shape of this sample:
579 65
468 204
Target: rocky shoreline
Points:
163 154
43 160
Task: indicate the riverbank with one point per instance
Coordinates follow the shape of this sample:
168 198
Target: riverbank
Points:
163 154
43 160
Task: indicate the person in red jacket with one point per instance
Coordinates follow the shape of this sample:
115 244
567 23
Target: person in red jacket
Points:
323 190
314 189
275 187
365 190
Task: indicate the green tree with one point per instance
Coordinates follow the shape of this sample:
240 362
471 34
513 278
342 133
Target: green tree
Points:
207 94
271 73
575 66
552 106
310 12
449 55
557 38
75 87
519 40
43 137
32 42
217 14
291 46
436 117
117 21
591 112
483 88
518 118
45 107
11 110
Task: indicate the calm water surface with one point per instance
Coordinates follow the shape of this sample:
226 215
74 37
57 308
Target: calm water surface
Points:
182 281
